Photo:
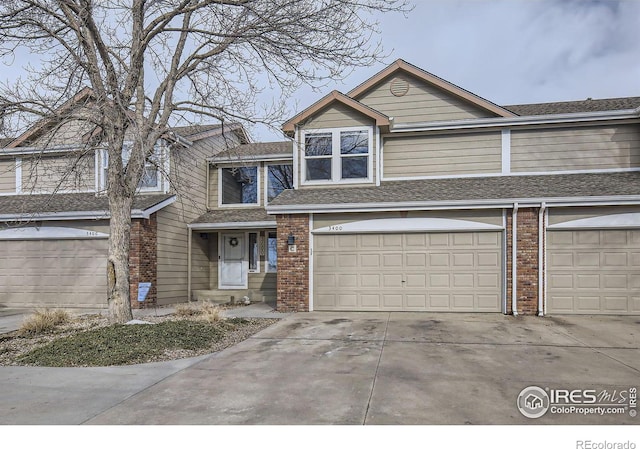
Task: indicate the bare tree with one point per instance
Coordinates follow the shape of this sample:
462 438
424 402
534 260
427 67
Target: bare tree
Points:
152 62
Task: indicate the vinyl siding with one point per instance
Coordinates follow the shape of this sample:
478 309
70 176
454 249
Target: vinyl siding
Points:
337 116
422 103
67 132
578 148
8 176
437 155
58 173
188 174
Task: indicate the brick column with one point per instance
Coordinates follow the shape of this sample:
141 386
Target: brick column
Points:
143 260
293 268
526 261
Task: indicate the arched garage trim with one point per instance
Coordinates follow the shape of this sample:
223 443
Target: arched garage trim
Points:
414 224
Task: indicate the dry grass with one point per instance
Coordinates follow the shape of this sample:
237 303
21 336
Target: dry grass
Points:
43 320
203 311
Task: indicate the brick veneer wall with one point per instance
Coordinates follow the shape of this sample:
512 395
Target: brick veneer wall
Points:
293 268
143 260
526 261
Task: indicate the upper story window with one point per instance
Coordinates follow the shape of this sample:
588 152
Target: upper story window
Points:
279 178
338 155
151 179
239 185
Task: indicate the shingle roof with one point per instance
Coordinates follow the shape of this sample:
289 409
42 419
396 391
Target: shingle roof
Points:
256 150
500 188
69 202
235 216
567 107
190 130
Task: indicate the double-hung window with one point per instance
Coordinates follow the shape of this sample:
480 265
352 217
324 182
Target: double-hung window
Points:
338 155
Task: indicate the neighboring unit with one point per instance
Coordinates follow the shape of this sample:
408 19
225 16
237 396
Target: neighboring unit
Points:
54 221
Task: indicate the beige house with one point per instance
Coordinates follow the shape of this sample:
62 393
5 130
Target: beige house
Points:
410 193
54 224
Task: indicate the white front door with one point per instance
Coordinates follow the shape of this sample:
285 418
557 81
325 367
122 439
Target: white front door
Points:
233 265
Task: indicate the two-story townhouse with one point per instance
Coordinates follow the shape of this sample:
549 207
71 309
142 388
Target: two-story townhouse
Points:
54 221
241 235
411 193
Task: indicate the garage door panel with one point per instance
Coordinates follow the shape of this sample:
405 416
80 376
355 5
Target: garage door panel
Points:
420 271
597 275
347 260
43 273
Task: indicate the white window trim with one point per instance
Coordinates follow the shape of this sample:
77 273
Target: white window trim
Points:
336 157
266 250
265 199
240 205
18 175
249 269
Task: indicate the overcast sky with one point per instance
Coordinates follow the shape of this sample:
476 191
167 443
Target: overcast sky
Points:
512 51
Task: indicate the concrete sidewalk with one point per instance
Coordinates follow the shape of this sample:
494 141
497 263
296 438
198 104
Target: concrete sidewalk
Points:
348 368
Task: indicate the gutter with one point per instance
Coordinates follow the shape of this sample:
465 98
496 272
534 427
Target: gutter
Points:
234 225
541 255
248 158
620 200
514 265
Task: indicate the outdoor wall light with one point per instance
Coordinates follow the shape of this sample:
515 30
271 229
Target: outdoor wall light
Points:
291 240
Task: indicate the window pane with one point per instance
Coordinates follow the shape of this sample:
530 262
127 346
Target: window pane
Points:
149 177
272 252
354 142
253 251
319 168
240 185
317 144
280 177
355 167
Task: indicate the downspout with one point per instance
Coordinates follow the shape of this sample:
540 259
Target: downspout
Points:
207 193
189 236
514 250
541 264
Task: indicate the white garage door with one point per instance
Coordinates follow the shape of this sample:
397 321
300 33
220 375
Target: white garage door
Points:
594 272
413 271
47 273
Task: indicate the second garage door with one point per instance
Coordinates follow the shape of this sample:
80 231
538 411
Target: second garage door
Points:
459 272
594 272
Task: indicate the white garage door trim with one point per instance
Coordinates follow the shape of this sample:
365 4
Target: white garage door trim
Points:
50 233
412 224
613 221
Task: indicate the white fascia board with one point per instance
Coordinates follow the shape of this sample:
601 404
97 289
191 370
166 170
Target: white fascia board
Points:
437 205
37 150
232 225
412 224
146 213
261 158
49 216
613 221
516 121
49 233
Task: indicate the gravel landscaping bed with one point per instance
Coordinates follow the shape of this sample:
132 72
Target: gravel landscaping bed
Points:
14 345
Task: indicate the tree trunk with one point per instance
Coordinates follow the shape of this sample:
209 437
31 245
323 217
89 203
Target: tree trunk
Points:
118 259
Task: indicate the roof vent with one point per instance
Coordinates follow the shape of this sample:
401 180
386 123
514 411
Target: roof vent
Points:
399 87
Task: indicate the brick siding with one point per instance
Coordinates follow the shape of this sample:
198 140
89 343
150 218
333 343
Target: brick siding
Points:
293 268
526 261
143 260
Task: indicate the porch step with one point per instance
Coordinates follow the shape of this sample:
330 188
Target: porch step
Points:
226 296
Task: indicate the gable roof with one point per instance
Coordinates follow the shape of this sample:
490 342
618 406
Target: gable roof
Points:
402 66
256 151
569 107
24 207
335 96
43 125
462 191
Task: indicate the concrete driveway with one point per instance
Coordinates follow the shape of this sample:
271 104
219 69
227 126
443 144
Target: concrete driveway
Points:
349 368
